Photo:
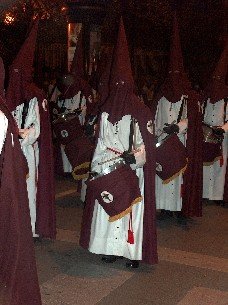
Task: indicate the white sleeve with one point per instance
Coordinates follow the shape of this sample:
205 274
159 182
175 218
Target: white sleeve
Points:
32 124
3 129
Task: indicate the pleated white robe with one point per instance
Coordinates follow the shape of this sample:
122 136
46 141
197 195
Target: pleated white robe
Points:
30 149
214 175
168 196
111 238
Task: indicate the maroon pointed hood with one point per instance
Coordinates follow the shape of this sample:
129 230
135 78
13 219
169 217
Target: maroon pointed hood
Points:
217 89
21 72
77 63
119 102
176 83
105 71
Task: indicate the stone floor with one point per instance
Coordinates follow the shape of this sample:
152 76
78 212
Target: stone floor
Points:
192 269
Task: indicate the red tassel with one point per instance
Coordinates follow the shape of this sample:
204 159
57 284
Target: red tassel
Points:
131 239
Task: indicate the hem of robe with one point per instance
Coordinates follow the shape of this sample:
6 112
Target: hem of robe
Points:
212 162
124 254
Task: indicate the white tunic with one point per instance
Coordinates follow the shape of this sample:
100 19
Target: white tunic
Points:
106 237
214 175
168 196
71 105
30 149
3 129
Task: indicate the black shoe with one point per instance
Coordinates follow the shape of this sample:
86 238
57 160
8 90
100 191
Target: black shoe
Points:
165 215
181 219
132 264
37 239
109 258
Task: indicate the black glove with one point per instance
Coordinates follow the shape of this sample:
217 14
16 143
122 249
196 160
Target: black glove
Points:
78 111
128 158
173 128
89 130
92 174
218 131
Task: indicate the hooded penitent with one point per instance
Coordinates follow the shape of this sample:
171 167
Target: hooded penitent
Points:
176 85
216 114
18 276
21 89
121 102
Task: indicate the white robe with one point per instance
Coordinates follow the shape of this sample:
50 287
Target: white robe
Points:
71 105
214 175
3 129
30 149
168 196
111 238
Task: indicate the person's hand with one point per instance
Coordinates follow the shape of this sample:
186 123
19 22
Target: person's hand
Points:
170 129
23 133
129 158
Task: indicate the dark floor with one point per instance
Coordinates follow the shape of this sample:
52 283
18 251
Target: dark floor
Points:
192 269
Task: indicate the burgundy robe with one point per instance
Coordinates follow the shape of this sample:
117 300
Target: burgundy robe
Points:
18 276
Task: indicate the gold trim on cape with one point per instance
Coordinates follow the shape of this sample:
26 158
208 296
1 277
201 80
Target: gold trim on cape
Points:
127 211
81 176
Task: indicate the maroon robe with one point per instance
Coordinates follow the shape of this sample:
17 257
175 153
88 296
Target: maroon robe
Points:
46 217
18 277
193 176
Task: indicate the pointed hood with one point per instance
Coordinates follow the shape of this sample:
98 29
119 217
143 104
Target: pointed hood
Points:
2 77
21 72
105 71
121 67
176 83
217 89
119 102
77 63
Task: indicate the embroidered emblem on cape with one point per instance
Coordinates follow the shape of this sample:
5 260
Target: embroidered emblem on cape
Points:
64 133
158 167
149 126
107 197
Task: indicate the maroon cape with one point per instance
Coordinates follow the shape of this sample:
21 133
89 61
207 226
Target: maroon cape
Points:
18 276
193 176
46 216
